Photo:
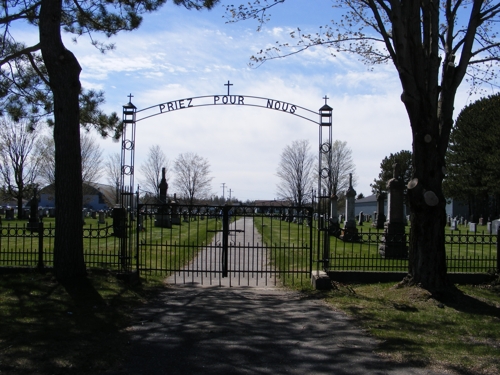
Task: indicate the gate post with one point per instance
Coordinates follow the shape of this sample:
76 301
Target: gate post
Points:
225 239
40 246
127 178
498 249
324 183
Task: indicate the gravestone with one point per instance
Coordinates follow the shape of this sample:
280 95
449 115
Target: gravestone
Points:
380 220
495 224
101 217
453 225
175 217
488 227
162 217
350 232
334 227
119 222
9 214
33 222
140 223
393 242
472 227
361 219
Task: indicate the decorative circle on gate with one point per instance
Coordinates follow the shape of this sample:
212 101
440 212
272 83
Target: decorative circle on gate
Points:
127 170
325 173
127 145
326 147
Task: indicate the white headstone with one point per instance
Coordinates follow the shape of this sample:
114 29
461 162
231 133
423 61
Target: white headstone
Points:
495 224
472 227
453 225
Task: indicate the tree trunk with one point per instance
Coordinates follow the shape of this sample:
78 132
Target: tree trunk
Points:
64 71
20 208
427 255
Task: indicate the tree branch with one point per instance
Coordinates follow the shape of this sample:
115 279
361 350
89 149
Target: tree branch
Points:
24 51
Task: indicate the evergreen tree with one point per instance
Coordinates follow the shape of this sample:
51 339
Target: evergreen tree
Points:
473 158
404 162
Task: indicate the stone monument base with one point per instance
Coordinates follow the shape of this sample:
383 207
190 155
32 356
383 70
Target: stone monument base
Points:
393 243
349 235
163 221
320 280
379 223
33 226
334 229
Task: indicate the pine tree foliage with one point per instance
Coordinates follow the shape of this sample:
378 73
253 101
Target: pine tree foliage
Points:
404 162
473 158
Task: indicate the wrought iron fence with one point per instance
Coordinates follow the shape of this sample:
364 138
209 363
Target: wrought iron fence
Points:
33 247
466 252
204 243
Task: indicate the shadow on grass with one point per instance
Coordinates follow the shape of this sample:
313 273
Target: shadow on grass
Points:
51 328
462 302
83 294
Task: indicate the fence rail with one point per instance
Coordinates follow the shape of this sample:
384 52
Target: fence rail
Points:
466 252
33 247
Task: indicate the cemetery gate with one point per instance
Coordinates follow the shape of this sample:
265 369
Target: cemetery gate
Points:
133 219
229 245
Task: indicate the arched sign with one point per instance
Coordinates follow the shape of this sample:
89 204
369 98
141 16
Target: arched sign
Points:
227 100
131 115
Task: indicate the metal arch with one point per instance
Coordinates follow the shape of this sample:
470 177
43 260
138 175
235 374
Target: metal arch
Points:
226 100
130 118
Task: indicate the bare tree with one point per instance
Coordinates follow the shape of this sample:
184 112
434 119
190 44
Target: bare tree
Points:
192 177
340 165
112 171
91 159
152 169
19 161
433 45
48 164
295 172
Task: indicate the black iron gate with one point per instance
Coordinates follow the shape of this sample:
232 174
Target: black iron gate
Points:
225 245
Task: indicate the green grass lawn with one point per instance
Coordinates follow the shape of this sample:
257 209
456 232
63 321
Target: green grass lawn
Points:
49 328
465 251
459 334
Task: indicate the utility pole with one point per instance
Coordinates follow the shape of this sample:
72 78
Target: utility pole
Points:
223 187
230 191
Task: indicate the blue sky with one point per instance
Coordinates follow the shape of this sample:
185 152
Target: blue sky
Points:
179 54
